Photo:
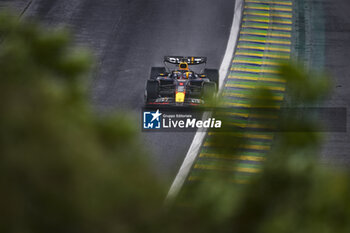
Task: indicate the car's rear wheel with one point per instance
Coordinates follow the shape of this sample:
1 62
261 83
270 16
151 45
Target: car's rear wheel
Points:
156 71
212 75
209 91
152 90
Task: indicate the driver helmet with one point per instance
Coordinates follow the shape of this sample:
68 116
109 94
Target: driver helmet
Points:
183 66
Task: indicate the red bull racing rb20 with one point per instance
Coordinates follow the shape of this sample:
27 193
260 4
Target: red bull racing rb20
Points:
181 86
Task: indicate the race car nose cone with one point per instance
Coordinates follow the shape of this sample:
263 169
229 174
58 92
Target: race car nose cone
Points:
179 97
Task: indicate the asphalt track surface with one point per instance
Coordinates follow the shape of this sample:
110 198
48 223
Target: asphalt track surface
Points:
17 5
128 37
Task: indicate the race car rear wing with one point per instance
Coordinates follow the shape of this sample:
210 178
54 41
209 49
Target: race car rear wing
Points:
190 60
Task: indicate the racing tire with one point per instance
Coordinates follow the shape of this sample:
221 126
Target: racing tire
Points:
209 91
152 90
155 71
212 75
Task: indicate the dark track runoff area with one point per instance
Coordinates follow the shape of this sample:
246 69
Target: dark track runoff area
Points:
337 63
128 37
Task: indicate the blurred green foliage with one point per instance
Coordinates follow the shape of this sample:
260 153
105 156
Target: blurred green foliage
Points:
64 169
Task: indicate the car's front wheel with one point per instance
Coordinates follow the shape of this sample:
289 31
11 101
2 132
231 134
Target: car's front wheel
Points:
212 75
152 90
209 91
156 71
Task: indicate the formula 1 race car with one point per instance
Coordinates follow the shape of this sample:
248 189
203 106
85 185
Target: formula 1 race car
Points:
181 86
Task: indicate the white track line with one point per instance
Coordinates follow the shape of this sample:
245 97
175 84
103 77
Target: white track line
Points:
200 135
